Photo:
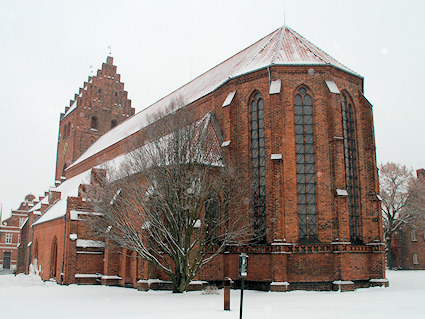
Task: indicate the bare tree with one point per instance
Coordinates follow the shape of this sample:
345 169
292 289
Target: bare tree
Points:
403 200
173 199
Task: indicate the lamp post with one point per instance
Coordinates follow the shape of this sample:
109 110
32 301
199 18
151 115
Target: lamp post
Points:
243 268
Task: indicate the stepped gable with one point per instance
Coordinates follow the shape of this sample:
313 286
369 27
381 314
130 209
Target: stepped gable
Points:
284 46
106 78
100 105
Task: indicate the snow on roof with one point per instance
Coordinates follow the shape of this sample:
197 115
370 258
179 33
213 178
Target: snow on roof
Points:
67 188
70 186
23 224
35 207
88 243
281 47
71 108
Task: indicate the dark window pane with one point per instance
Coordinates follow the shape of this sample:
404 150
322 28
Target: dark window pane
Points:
310 178
300 158
309 139
308 110
300 168
308 129
308 119
309 159
300 150
298 119
298 100
299 129
309 149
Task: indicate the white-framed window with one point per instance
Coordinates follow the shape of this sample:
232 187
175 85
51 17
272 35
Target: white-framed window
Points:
415 259
9 237
413 235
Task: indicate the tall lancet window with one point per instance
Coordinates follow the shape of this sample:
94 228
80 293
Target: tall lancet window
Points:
258 167
351 172
305 165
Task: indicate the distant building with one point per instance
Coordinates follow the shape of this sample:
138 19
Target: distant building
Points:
408 245
25 247
10 235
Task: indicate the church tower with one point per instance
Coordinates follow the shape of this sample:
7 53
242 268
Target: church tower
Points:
100 104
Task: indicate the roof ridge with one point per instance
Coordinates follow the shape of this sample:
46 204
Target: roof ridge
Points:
308 43
279 44
262 48
301 38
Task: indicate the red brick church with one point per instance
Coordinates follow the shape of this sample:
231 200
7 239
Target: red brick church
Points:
281 103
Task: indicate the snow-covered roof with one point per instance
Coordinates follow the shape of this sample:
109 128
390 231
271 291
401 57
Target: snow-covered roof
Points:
88 243
281 47
67 188
71 108
35 207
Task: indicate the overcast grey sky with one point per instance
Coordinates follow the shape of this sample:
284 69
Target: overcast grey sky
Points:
47 48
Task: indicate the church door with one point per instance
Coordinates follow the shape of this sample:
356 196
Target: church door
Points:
6 259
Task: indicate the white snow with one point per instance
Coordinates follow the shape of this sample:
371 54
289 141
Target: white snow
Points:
73 236
28 297
275 87
85 243
111 277
229 99
88 275
225 143
332 87
341 192
71 108
67 188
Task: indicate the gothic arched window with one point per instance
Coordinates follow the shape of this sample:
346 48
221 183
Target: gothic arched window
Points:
351 172
258 166
68 129
94 123
211 223
304 143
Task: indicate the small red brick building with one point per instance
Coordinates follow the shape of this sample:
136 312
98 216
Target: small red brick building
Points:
408 245
298 120
10 233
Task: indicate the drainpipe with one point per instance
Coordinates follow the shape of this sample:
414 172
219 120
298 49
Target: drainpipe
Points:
268 70
63 249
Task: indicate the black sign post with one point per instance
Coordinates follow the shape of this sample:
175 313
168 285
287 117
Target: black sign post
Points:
243 268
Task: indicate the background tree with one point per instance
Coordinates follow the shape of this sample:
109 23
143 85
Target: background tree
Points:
173 199
403 200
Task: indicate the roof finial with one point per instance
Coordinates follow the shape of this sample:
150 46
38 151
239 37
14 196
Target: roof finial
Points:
109 50
284 16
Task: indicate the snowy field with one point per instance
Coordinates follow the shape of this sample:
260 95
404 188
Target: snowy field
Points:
29 297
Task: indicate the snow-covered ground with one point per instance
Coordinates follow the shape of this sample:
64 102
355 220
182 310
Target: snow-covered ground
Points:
29 297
